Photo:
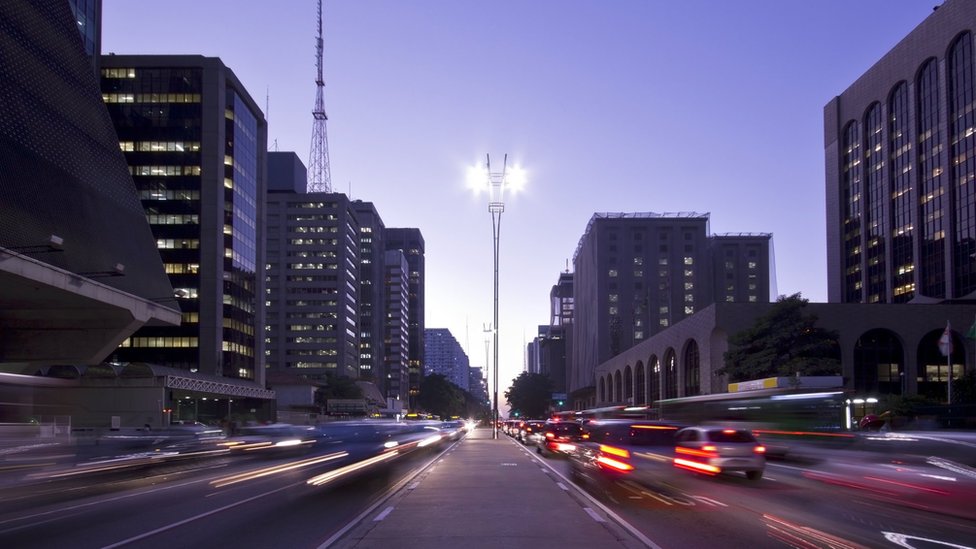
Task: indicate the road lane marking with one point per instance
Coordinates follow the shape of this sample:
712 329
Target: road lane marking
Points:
412 486
383 514
563 486
593 514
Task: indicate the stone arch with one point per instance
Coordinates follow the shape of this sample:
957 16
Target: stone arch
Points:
653 379
669 373
879 363
640 385
628 385
691 362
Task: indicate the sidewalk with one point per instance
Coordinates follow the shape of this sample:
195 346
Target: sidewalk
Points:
487 493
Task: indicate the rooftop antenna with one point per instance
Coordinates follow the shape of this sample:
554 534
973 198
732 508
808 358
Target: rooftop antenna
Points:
319 176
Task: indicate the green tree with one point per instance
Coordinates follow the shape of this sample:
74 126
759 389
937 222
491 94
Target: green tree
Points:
337 387
530 395
964 388
440 397
782 342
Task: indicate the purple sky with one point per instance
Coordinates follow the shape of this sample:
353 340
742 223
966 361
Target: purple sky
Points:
629 105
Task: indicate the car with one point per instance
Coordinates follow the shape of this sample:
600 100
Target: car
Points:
528 429
715 449
617 449
559 437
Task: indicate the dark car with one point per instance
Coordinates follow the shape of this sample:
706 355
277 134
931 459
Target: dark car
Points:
559 437
612 449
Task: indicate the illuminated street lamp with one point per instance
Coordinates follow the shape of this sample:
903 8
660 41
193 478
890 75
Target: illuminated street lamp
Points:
496 183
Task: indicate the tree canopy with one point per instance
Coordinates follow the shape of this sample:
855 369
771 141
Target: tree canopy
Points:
440 397
530 395
782 342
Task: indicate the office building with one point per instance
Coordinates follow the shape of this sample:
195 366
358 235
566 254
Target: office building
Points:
396 386
636 274
88 16
195 142
411 243
900 147
444 356
313 274
371 291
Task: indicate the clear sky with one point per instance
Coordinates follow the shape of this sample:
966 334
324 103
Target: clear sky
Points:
610 106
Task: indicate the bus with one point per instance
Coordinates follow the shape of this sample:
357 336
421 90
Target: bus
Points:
784 418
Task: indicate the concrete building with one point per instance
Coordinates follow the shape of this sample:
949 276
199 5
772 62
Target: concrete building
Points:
372 292
637 274
411 243
900 148
75 247
446 357
396 386
313 276
886 349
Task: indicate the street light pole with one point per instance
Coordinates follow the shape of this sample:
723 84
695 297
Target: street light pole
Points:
497 183
496 206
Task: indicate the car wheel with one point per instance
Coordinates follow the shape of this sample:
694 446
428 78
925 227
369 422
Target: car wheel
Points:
754 475
538 450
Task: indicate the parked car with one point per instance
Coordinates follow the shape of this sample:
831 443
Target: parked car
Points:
613 449
559 437
714 450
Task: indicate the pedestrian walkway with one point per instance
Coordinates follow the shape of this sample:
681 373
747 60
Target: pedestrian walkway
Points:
488 493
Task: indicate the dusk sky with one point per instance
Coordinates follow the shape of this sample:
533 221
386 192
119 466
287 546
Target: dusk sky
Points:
610 106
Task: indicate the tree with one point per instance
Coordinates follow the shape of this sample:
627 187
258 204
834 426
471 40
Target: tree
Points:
530 395
338 387
782 342
440 397
964 388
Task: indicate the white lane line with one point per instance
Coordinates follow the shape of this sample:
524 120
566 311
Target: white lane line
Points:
198 517
383 514
593 514
412 486
563 486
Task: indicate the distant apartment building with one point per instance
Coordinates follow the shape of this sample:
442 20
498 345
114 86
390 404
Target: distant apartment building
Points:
446 357
411 243
195 143
396 386
477 385
371 290
900 146
313 276
636 274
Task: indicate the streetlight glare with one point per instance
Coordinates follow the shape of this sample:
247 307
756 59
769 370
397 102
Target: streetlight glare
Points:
515 179
477 179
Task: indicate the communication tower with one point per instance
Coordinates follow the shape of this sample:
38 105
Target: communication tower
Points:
319 176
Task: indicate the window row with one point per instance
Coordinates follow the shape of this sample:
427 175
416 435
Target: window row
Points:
151 97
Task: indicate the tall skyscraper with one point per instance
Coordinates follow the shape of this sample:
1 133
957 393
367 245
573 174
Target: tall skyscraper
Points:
195 143
396 332
445 356
88 16
411 243
372 292
313 276
636 274
900 147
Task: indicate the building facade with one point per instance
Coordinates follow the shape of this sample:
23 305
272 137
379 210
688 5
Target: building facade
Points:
371 291
900 147
396 385
195 143
446 357
313 274
636 274
411 243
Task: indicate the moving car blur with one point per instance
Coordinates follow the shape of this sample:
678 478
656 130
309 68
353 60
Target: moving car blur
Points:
715 450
